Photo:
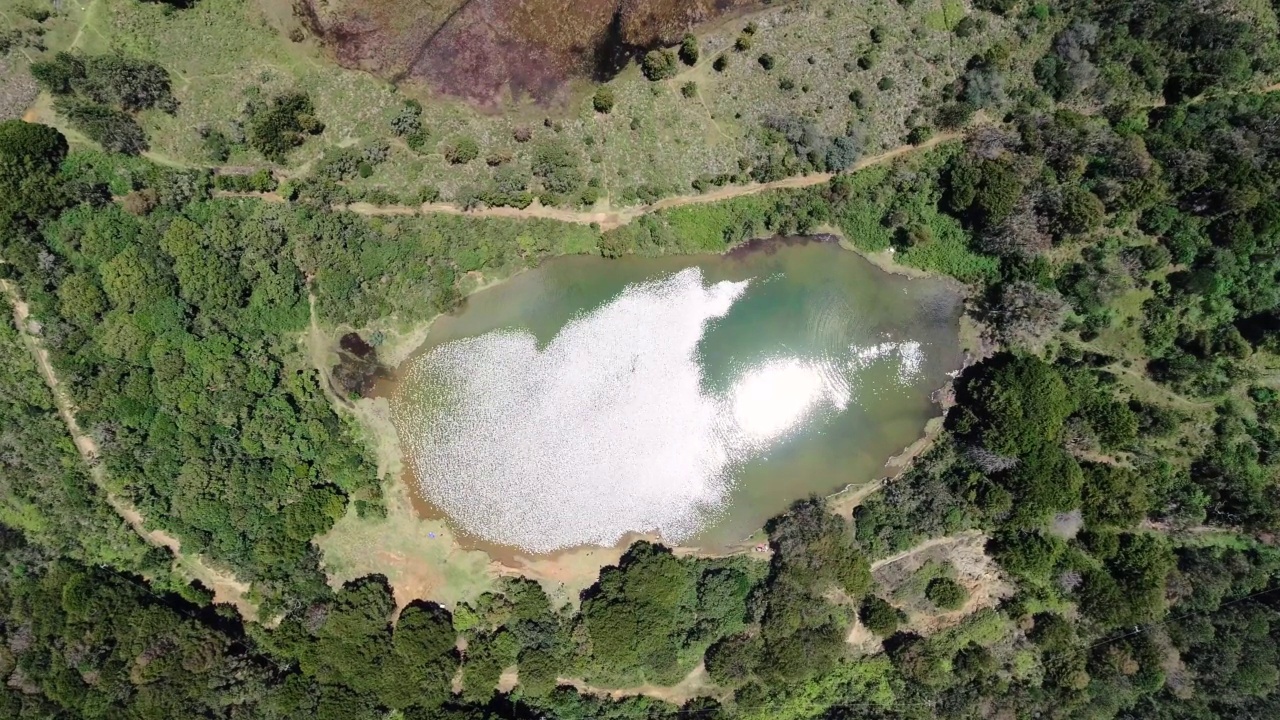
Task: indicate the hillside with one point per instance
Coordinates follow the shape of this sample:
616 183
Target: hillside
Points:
218 217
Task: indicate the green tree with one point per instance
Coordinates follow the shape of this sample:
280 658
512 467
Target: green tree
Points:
461 150
283 124
659 65
946 593
30 155
879 616
689 49
602 101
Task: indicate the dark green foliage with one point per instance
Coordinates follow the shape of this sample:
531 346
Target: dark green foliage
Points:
1014 405
408 122
721 62
1179 49
767 61
689 50
114 130
602 101
659 65
689 89
1077 211
639 613
946 593
879 616
1131 587
30 155
919 134
1114 496
217 146
113 80
153 319
283 124
1000 7
556 165
983 191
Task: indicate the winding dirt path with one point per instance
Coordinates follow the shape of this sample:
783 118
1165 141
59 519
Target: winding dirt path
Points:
225 586
611 219
926 545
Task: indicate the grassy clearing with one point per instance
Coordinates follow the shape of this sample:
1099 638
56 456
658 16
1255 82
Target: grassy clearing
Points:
400 547
656 141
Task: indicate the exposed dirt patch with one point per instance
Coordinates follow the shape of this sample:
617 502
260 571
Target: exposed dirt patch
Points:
696 684
479 49
976 571
17 90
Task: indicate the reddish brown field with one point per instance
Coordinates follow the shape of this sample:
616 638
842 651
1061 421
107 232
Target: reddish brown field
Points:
479 49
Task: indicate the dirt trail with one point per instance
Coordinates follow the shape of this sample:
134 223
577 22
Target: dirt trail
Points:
926 545
225 586
611 219
696 684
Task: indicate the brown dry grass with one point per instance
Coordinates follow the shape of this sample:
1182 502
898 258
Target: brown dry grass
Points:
479 49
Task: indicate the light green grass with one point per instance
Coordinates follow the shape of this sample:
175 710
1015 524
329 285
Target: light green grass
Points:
221 52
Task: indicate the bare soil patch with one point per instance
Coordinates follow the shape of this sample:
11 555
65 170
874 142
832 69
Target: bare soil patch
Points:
976 571
481 49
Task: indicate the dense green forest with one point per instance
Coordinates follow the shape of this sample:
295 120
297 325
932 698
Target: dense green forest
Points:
1119 446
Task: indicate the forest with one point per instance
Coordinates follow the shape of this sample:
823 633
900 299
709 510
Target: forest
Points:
1118 445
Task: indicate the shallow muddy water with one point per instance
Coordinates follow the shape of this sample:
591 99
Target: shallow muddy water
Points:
688 397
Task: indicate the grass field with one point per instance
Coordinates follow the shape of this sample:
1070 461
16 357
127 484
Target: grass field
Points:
656 141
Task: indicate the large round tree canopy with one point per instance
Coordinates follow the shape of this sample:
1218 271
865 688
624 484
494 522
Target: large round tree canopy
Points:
29 158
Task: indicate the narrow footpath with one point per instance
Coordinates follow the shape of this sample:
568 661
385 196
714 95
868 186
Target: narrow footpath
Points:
610 219
225 586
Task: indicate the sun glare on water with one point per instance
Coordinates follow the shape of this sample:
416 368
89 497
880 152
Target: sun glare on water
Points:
770 400
609 429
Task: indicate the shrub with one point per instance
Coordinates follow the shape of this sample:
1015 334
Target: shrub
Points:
866 62
722 62
886 83
970 26
461 151
919 134
1000 7
689 89
602 101
114 130
879 616
767 61
1077 211
216 146
409 120
659 65
743 43
282 125
955 115
946 593
878 34
689 50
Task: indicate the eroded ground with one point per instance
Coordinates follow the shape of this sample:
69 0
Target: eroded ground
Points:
478 49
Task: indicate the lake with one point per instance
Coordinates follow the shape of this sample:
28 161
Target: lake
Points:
689 397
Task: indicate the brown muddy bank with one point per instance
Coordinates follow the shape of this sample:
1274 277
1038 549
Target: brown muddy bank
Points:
479 49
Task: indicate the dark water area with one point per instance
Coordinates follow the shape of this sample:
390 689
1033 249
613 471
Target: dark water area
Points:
588 400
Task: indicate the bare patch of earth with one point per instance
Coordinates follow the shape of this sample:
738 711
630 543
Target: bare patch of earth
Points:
481 49
17 90
696 684
974 569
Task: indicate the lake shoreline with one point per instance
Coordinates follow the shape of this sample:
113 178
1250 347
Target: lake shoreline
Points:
572 568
